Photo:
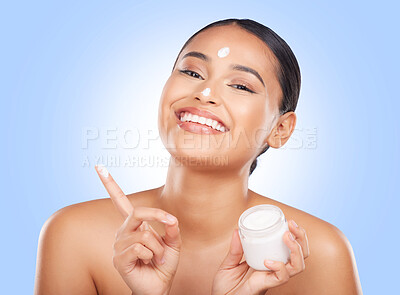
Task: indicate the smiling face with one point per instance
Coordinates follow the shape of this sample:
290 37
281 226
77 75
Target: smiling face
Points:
228 75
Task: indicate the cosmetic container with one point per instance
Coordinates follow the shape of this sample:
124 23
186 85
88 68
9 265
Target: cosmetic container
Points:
261 230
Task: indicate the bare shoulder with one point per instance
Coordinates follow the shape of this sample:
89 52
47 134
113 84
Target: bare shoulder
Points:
79 225
78 221
89 213
318 230
331 258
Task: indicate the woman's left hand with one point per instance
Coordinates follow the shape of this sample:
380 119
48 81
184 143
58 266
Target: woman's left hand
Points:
238 279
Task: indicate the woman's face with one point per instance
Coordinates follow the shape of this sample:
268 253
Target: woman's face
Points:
229 73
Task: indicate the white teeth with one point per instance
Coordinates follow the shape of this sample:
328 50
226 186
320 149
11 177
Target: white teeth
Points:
186 116
202 120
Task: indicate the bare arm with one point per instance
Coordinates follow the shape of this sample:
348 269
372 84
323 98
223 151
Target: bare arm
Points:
61 266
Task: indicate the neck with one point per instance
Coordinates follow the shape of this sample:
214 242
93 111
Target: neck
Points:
206 203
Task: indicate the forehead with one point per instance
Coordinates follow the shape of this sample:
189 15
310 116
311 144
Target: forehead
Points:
244 48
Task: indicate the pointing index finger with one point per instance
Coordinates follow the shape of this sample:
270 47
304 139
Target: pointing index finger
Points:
120 201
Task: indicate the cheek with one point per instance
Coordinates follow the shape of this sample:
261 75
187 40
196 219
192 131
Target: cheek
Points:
251 123
170 94
169 91
164 107
251 116
173 91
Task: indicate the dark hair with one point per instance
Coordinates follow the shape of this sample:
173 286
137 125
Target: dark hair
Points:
288 71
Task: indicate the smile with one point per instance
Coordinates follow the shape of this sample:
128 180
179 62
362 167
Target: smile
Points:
200 121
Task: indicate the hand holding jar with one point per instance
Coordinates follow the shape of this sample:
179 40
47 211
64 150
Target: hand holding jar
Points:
274 251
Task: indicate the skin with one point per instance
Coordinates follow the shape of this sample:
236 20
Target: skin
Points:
82 247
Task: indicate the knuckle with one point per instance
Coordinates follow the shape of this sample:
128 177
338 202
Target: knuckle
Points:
136 248
146 236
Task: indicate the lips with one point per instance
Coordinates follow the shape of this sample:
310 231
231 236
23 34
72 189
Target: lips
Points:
201 113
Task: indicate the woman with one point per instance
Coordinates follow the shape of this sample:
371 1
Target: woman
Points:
182 238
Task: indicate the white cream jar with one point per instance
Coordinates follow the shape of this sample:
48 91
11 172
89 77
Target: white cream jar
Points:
261 230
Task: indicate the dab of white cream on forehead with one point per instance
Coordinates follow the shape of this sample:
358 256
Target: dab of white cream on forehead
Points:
206 92
223 52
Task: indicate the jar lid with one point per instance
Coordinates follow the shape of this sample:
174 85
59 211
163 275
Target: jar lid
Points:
261 219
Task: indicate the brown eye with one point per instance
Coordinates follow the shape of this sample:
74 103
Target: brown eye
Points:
191 73
242 87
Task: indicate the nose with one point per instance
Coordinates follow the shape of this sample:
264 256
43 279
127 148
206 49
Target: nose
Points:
207 96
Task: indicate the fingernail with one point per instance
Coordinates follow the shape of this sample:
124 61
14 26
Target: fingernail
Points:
171 219
102 170
269 262
291 236
294 223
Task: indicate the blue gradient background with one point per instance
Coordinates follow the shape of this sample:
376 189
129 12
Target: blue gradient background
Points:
97 64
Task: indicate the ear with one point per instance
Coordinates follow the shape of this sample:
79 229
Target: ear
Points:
282 131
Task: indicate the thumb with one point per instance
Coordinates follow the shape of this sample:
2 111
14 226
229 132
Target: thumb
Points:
235 253
173 236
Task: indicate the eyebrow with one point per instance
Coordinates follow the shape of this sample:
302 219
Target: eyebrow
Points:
233 67
198 55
